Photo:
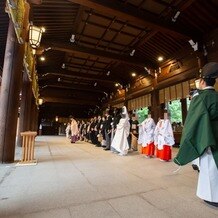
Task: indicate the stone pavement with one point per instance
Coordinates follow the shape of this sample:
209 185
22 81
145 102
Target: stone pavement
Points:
81 180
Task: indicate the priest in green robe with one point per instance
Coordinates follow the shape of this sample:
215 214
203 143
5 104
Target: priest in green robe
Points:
200 135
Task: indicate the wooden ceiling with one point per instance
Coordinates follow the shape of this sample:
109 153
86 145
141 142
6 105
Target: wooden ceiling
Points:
106 32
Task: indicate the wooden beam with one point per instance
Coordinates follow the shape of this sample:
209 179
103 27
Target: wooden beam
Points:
63 93
75 49
74 87
77 20
185 5
132 14
69 101
35 2
78 76
146 38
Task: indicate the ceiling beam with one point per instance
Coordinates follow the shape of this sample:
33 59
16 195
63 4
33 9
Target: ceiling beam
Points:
76 49
77 20
132 14
69 101
76 94
146 38
73 87
78 76
35 2
185 5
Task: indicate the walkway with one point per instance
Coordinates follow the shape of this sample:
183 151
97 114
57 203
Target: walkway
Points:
80 180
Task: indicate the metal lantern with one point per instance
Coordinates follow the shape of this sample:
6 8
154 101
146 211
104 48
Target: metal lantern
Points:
35 35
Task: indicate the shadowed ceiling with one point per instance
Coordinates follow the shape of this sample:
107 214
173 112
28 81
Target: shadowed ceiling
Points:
82 73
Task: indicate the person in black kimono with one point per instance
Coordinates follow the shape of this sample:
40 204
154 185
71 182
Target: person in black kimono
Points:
108 128
97 130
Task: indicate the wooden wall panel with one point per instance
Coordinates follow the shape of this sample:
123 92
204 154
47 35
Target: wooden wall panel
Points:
161 96
179 92
186 90
149 100
192 84
143 101
137 103
119 105
173 93
167 94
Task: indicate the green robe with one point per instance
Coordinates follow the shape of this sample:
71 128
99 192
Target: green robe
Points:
200 129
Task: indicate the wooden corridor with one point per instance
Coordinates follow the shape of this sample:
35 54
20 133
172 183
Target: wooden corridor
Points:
80 180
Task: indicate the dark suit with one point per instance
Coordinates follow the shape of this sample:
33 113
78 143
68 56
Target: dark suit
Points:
108 128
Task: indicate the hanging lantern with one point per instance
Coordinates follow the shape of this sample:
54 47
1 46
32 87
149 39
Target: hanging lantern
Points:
35 35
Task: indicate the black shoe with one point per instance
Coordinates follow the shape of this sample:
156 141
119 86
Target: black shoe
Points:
195 167
211 203
106 149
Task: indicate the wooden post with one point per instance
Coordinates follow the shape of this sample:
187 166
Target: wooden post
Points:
33 115
24 108
10 90
37 120
184 109
155 109
28 147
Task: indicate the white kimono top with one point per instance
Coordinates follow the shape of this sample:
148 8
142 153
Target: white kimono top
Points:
120 142
163 134
74 128
141 132
148 128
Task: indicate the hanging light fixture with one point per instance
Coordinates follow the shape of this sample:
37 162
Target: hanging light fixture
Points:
133 74
35 35
160 58
42 58
40 101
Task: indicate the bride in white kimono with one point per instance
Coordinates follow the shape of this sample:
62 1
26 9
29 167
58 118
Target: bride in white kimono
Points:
120 142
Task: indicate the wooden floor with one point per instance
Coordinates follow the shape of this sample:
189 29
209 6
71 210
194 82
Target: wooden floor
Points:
80 180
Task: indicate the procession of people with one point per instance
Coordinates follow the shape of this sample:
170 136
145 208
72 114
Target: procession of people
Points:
120 132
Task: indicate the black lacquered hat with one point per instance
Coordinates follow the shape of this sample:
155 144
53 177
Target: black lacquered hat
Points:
210 70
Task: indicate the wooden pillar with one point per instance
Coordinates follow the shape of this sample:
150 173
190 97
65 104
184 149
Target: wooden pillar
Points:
29 111
201 57
184 109
33 115
155 105
24 108
39 121
36 120
156 109
125 100
10 90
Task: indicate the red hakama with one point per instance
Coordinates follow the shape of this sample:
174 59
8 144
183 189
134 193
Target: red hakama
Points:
149 149
165 153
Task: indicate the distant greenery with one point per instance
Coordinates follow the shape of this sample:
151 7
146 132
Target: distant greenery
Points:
174 108
142 114
175 111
